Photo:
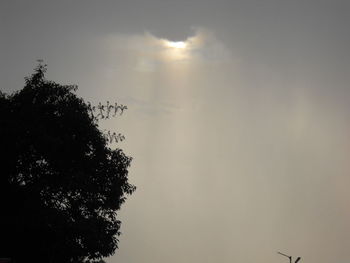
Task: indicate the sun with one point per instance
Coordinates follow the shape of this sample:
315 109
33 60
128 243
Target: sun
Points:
177 45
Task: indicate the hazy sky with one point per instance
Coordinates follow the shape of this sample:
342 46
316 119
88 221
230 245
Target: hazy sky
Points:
240 140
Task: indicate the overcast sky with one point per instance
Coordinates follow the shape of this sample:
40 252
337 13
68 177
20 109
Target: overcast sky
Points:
240 140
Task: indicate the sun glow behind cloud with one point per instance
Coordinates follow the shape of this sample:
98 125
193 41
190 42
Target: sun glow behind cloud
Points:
177 45
150 53
178 50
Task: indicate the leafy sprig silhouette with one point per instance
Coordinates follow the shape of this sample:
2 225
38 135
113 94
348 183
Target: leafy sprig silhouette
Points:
107 111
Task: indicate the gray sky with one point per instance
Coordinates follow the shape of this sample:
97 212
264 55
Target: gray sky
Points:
240 140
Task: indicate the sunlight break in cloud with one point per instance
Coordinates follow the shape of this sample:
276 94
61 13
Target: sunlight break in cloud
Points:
148 52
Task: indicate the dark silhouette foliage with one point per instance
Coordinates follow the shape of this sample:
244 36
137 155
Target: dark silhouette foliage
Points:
60 182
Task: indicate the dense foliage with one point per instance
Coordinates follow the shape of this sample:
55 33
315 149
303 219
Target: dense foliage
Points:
60 183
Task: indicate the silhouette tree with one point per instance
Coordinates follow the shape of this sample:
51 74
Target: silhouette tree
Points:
60 182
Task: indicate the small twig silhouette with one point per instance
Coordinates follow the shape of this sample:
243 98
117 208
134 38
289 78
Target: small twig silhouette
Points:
290 257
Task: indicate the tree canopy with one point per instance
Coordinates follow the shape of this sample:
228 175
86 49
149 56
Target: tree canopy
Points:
60 183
